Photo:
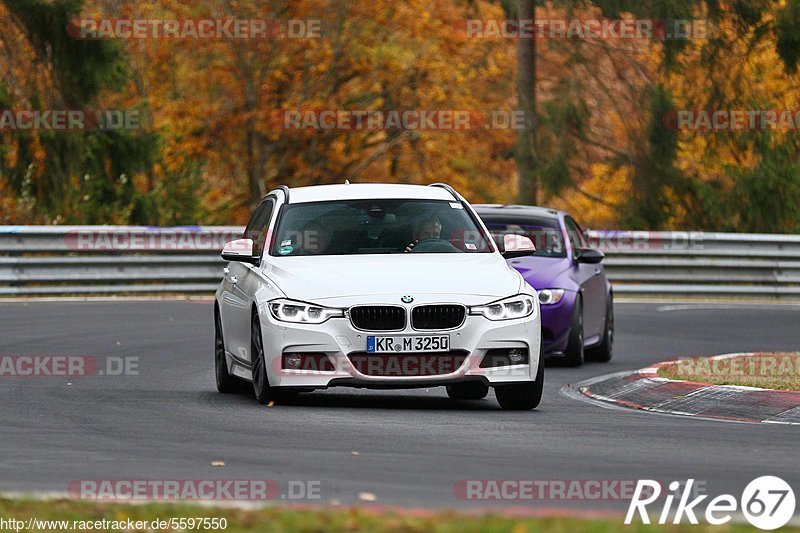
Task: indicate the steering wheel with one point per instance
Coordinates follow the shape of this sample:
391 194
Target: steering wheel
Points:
434 246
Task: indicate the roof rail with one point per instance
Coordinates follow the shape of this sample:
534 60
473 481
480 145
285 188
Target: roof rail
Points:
540 208
285 190
447 188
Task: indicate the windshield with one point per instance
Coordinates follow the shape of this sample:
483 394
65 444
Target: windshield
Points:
545 232
387 226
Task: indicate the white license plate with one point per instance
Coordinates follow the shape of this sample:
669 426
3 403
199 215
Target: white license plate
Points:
422 343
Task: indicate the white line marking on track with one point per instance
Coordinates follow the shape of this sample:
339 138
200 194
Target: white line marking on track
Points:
113 299
728 307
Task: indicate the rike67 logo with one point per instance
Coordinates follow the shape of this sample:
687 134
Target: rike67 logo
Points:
767 502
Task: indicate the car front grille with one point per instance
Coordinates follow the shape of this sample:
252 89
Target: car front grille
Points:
437 317
378 318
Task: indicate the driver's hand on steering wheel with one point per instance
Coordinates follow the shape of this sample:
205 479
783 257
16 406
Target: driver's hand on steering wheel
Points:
410 246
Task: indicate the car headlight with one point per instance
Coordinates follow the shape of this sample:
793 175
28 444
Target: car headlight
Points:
519 306
301 312
550 296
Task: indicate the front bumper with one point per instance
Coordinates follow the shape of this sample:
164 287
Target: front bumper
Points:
338 339
556 324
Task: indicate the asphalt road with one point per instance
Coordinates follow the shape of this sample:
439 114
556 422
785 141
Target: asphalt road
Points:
168 422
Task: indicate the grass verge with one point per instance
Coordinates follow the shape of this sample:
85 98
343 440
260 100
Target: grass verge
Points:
283 519
779 371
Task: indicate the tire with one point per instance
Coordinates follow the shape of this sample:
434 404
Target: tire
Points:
522 396
261 388
575 349
226 383
471 390
603 352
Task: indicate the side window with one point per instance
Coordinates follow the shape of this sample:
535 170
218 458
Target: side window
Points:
258 225
575 234
249 231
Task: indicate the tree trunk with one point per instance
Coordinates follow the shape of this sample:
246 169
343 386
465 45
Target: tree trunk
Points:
526 95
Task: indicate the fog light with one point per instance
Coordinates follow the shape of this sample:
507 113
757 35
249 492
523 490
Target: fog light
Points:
315 362
517 356
505 357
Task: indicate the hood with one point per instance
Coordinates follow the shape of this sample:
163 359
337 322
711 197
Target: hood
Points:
543 272
480 276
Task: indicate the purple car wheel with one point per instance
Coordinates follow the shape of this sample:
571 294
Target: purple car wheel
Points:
605 350
575 348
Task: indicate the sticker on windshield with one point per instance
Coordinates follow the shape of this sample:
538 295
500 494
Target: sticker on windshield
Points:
287 242
470 246
456 205
285 250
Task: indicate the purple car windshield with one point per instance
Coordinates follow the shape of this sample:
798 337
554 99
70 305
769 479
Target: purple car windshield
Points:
544 232
381 226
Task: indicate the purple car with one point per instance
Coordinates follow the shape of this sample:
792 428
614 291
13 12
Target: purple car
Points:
576 297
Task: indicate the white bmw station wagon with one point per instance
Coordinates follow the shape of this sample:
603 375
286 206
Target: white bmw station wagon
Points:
376 286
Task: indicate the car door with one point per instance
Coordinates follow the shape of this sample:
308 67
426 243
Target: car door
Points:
240 283
591 280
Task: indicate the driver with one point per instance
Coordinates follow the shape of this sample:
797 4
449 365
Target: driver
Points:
427 228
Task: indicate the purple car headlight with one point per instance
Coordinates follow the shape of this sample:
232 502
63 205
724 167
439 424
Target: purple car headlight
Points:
301 312
550 296
519 306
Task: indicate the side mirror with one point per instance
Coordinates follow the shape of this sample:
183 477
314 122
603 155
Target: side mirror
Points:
517 246
588 255
240 250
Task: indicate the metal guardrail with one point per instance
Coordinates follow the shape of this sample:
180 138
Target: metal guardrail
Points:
96 260
701 264
83 260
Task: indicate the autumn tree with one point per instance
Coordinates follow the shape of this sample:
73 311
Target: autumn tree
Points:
64 176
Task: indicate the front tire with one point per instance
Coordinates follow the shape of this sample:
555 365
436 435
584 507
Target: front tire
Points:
605 350
226 383
471 390
261 388
574 354
522 396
